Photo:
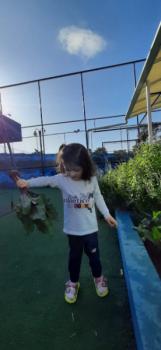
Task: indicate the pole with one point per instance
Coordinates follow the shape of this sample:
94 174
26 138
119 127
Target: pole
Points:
42 124
0 104
127 141
5 151
13 165
121 138
91 140
134 69
149 119
84 111
41 153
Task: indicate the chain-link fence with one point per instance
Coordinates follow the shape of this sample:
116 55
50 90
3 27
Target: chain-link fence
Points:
63 109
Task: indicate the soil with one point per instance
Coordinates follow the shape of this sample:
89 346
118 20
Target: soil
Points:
153 250
155 255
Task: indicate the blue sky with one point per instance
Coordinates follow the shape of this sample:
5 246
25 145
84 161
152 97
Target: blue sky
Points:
41 38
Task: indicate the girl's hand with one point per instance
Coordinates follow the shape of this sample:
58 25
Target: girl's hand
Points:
21 183
111 221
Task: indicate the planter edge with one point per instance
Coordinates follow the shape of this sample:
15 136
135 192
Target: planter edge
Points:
143 285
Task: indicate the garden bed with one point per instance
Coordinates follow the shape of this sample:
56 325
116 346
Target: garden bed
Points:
143 285
153 248
155 255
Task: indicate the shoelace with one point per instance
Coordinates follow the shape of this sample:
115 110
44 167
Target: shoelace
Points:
70 286
102 282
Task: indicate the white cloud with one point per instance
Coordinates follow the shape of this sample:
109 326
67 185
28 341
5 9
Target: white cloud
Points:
80 41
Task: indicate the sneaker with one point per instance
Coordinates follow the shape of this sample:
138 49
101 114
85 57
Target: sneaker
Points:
71 292
101 286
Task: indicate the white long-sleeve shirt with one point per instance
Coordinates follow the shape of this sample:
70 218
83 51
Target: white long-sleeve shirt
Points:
79 199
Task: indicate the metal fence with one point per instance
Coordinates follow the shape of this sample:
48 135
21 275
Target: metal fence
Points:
70 107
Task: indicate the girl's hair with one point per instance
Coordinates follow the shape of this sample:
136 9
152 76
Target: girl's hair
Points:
62 146
59 164
75 154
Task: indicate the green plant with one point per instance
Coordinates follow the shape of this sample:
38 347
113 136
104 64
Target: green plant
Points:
35 210
137 183
150 227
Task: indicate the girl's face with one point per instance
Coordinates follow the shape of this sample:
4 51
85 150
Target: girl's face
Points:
73 171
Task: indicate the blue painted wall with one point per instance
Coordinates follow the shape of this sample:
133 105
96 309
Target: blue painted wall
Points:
29 165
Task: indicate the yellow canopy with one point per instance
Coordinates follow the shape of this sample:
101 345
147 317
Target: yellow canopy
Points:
151 73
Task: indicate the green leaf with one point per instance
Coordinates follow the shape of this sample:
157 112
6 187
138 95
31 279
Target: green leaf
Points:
36 210
156 234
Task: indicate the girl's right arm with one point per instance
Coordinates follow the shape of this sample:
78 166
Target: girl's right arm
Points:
42 181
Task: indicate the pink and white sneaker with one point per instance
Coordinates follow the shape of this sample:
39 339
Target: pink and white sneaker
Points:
101 286
71 291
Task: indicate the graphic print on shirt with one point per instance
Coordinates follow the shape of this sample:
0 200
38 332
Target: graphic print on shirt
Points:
83 201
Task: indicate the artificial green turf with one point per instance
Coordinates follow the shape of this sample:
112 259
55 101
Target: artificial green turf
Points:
5 201
33 313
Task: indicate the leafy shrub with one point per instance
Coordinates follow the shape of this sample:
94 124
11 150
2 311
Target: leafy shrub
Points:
136 183
150 228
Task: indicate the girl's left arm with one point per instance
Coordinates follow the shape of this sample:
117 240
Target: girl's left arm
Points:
101 205
111 221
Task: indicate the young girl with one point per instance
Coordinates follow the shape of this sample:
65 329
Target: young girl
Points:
80 192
